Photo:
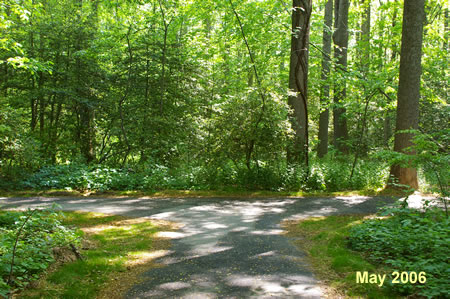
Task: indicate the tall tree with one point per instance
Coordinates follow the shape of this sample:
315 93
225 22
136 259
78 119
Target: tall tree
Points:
325 91
298 79
166 24
409 87
340 38
389 113
83 73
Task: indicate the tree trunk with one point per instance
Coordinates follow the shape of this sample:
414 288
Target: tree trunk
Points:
298 79
86 109
41 98
42 105
166 25
322 149
389 114
33 100
446 30
340 38
409 87
361 149
387 132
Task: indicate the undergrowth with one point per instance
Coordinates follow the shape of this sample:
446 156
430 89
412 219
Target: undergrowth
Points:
116 251
396 239
26 243
409 240
329 175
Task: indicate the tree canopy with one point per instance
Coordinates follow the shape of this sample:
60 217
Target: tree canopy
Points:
199 89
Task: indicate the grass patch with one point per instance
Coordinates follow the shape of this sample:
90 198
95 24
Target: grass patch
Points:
325 241
116 250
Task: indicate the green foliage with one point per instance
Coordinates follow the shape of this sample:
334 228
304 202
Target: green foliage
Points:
42 231
325 175
16 145
434 158
120 245
83 177
84 84
408 240
325 240
431 156
333 174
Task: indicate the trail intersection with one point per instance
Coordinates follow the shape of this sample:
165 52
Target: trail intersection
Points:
227 248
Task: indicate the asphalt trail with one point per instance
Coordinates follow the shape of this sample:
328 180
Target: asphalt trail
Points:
227 248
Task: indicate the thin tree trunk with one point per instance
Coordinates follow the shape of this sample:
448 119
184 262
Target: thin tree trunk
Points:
250 146
322 148
298 79
122 119
340 38
409 87
388 114
361 135
33 106
387 127
163 58
361 148
41 101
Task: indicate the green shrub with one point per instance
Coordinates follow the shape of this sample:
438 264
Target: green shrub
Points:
83 177
330 174
409 240
42 231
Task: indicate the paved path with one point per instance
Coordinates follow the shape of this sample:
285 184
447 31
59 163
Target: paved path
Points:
228 248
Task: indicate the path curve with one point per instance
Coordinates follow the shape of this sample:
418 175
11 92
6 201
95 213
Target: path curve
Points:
227 248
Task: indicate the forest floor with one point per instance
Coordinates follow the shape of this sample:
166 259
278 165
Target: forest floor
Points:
226 247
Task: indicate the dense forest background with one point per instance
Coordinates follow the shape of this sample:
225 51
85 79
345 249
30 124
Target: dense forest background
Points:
197 94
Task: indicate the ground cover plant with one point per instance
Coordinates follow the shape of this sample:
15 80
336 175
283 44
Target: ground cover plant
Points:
26 243
115 251
409 240
404 240
325 241
325 175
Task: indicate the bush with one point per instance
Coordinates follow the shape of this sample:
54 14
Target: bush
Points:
42 231
83 177
333 174
409 240
329 174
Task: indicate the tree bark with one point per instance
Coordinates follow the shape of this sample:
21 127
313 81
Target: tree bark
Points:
86 109
340 38
33 100
298 79
389 114
409 87
166 25
322 148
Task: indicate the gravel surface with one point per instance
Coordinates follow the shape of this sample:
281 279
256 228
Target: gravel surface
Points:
227 248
